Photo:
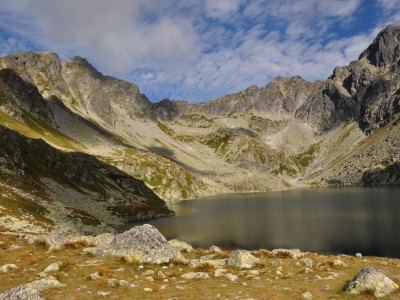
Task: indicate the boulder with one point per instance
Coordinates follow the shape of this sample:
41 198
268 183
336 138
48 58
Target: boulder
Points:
242 259
145 244
21 292
371 281
31 290
181 246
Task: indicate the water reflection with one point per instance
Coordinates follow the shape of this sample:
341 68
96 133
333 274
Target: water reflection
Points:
345 220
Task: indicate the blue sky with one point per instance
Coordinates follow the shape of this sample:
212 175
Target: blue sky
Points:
198 50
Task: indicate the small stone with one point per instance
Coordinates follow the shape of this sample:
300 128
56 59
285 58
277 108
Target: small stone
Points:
306 262
231 277
103 293
359 255
219 272
307 271
254 272
216 250
112 282
148 273
7 268
53 267
195 275
148 289
161 275
94 276
307 296
141 267
149 278
339 263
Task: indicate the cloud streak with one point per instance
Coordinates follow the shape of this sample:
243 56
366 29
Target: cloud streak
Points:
197 50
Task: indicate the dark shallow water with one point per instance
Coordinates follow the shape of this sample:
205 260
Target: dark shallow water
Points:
346 220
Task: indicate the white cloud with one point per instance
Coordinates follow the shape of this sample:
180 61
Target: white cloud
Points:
221 9
195 49
389 4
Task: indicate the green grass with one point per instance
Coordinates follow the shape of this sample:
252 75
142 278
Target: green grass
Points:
37 129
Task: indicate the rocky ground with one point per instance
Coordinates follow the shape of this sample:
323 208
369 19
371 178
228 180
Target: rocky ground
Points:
141 264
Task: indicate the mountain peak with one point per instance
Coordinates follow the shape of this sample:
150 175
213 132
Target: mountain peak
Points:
385 49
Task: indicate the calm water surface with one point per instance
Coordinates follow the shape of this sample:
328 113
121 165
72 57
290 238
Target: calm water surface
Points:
346 220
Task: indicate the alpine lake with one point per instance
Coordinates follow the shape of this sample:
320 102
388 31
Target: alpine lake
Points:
326 221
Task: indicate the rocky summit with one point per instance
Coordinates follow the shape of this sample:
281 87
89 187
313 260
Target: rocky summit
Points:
84 150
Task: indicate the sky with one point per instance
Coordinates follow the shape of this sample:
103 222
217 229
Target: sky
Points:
198 50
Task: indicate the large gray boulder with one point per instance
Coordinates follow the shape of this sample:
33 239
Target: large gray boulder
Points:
371 281
21 293
30 291
145 244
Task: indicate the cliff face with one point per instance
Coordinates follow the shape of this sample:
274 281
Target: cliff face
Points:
290 133
71 187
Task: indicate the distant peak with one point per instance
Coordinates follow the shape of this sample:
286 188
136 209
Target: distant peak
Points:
385 49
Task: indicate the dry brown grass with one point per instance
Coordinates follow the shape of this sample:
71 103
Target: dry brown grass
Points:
41 244
204 267
77 245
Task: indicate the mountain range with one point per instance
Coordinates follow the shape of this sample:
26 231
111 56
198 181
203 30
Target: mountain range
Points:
86 150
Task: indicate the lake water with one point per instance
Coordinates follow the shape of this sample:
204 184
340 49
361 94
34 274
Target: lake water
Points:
346 220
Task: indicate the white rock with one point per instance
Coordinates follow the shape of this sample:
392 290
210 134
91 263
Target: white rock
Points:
94 276
307 296
148 273
231 277
53 267
103 293
149 278
7 268
219 272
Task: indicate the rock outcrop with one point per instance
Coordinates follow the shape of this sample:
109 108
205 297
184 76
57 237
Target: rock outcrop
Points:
75 188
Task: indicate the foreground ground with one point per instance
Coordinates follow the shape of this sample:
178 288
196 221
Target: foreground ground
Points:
275 278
